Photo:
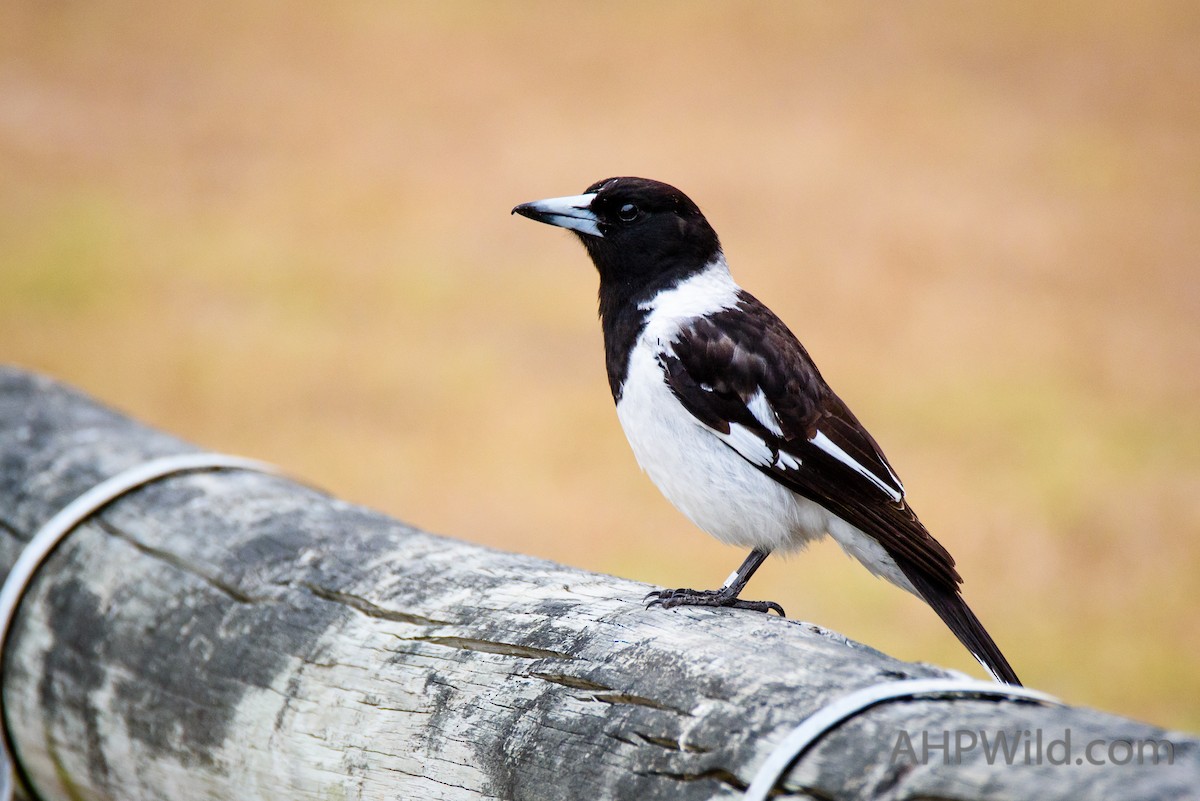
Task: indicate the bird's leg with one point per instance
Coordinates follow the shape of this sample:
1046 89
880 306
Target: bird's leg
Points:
726 596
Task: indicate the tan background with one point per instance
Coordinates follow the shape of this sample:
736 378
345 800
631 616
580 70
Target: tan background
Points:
281 229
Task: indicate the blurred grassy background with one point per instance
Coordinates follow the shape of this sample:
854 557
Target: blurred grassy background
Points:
281 229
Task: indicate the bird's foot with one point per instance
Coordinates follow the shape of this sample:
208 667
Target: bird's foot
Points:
669 599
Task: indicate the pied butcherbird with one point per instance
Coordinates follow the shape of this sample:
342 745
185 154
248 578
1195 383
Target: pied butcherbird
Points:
729 416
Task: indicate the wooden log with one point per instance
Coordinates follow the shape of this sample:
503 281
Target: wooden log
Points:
219 635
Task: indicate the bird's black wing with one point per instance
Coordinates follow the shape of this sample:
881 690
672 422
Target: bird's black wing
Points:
745 376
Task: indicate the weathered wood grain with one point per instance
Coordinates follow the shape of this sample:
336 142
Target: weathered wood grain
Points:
228 635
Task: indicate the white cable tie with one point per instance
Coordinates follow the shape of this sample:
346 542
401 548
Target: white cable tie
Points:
844 707
52 532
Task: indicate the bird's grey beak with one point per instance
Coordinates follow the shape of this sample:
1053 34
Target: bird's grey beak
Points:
572 212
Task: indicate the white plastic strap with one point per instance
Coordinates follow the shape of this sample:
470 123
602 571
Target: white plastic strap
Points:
56 528
841 709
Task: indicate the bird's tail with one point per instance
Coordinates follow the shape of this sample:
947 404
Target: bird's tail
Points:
955 613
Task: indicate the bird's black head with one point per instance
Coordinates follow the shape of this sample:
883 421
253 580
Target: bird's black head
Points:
641 234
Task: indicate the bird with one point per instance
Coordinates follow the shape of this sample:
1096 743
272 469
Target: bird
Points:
729 416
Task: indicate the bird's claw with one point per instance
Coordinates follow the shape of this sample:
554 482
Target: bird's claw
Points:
665 595
761 606
669 599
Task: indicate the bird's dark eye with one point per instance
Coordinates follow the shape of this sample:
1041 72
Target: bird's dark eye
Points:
628 212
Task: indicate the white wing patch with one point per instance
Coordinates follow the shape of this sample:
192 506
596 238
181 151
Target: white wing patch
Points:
830 447
745 442
760 407
787 461
754 450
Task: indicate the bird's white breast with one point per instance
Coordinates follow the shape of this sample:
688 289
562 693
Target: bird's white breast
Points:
703 477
